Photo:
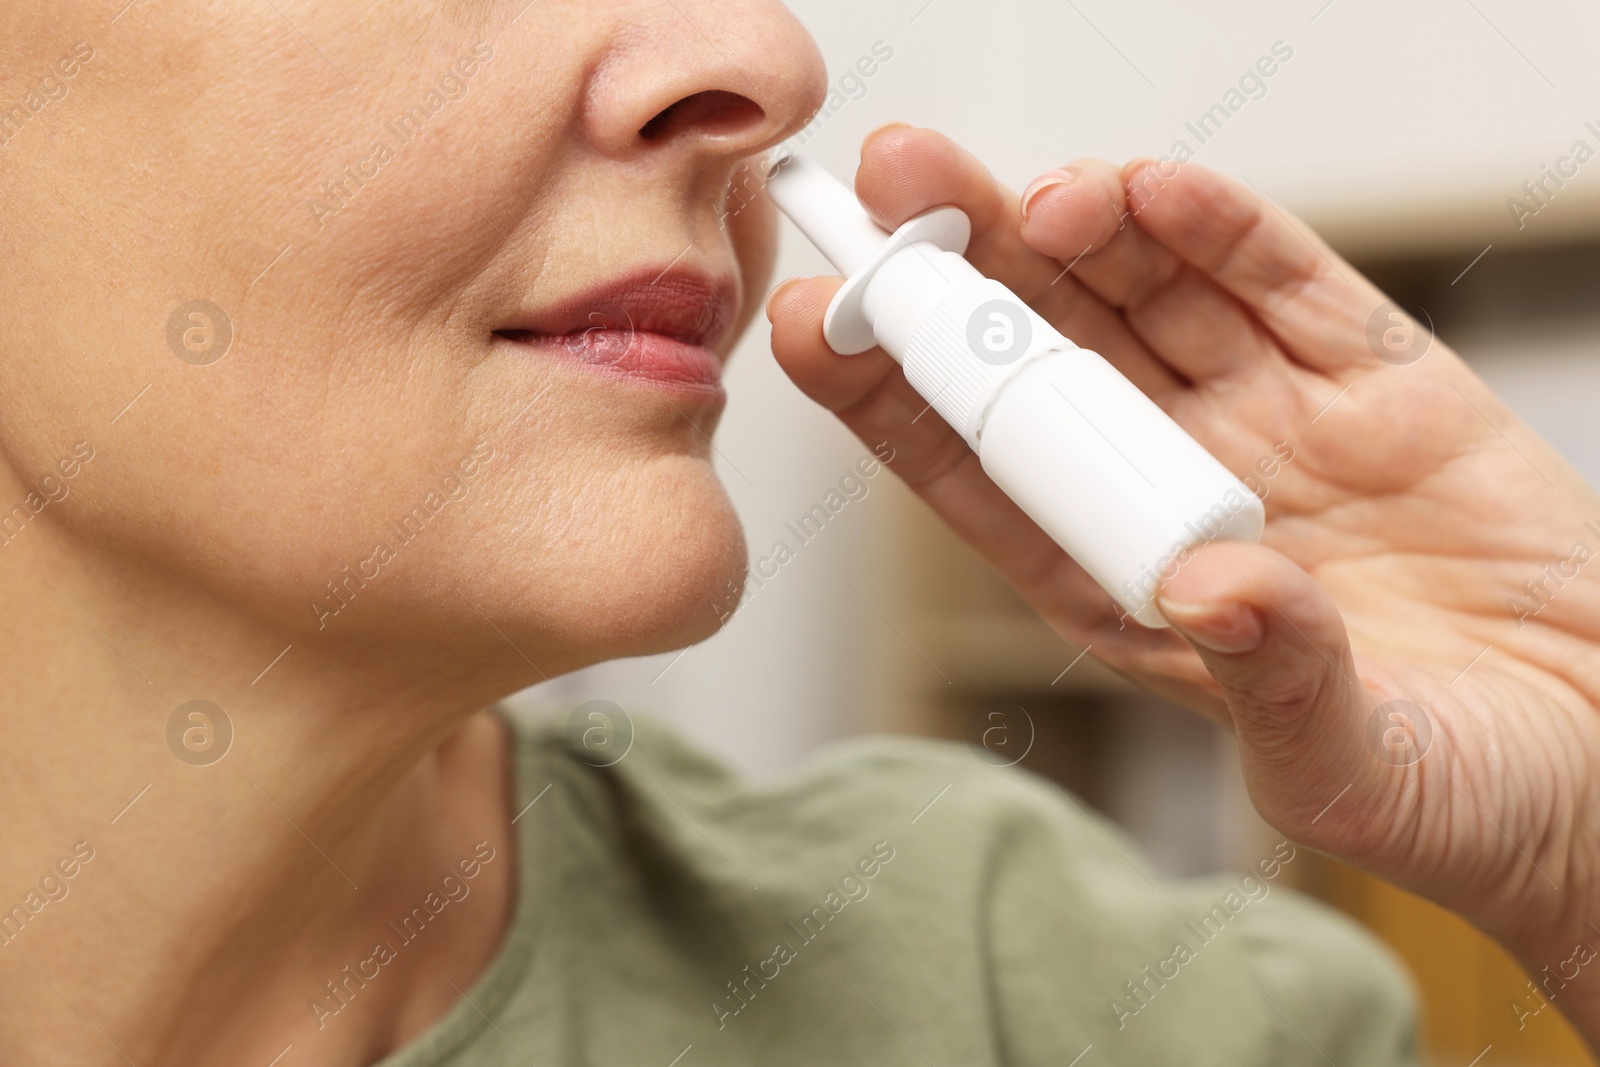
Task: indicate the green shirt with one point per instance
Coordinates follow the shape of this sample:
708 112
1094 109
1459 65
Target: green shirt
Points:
899 902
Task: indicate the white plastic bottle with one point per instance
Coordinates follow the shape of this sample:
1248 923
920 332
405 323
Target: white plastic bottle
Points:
1091 459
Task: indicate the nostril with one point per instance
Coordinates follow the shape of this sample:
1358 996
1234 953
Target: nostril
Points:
714 113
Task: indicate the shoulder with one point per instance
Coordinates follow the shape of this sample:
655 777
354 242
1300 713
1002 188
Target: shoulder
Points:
882 781
981 879
938 805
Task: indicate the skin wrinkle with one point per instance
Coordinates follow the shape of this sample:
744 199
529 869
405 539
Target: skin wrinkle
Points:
1526 879
207 519
1312 276
212 514
1379 484
1148 285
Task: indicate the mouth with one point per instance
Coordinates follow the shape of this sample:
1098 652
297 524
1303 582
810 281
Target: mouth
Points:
660 327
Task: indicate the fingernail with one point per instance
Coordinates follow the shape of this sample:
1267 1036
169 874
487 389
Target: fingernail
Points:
1041 185
1232 629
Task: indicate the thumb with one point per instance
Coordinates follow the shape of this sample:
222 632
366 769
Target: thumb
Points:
1276 644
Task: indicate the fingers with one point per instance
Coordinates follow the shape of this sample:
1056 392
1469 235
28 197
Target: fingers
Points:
1210 277
837 382
1200 331
1275 643
1080 216
1312 301
868 392
905 172
872 398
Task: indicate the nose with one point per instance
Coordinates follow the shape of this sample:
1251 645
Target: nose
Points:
721 80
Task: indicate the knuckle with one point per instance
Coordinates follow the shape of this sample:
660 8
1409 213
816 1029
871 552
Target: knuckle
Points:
1278 700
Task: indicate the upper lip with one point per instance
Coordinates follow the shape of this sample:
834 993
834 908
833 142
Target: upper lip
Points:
682 303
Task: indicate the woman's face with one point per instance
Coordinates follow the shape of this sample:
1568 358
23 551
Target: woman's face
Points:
478 260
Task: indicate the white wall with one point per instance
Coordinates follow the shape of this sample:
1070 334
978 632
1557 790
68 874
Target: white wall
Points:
1386 114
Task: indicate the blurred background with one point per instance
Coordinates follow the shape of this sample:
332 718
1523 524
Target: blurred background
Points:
1405 134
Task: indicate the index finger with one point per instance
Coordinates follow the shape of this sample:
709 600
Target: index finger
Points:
906 171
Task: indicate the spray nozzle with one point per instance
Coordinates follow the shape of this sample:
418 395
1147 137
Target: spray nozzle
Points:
1104 471
827 212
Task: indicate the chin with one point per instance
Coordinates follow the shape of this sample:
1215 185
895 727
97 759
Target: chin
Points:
666 575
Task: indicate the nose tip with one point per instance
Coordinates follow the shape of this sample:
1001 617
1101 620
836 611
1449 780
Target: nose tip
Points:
727 80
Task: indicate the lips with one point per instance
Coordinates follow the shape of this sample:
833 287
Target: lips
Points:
659 328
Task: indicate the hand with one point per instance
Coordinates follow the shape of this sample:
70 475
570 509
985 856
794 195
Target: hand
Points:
1393 705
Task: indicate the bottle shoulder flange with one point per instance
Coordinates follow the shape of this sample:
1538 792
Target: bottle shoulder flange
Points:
846 327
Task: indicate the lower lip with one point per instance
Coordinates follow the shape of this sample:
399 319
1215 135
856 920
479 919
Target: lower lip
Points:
641 356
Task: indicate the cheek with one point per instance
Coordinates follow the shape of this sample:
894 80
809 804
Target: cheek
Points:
589 532
356 378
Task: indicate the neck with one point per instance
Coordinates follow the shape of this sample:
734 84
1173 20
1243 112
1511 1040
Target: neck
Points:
157 906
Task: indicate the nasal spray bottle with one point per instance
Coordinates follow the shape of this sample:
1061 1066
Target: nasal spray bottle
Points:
1091 459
